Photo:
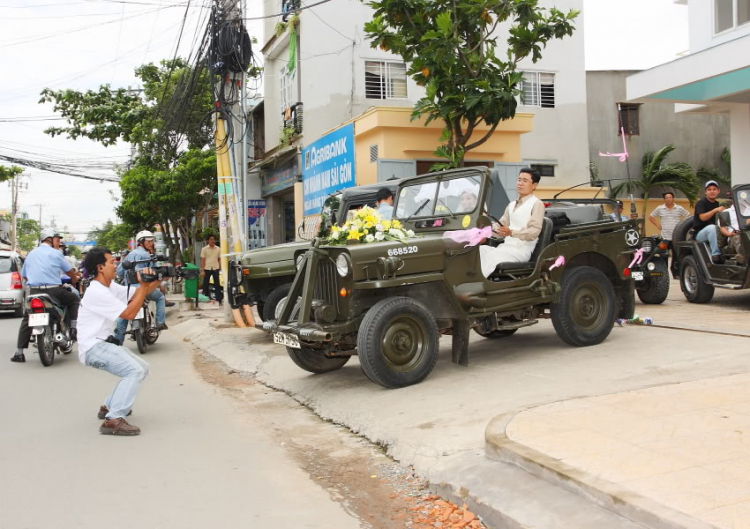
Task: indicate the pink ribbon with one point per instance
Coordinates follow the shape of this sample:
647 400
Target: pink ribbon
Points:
623 156
637 258
560 261
472 236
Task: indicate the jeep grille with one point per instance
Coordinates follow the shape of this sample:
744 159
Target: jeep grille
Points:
325 283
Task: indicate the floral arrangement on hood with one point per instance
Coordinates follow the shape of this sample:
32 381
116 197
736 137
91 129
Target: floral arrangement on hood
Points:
368 226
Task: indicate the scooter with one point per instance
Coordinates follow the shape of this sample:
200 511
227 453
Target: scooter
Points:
143 328
50 327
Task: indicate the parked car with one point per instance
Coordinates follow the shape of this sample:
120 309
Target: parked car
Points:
389 302
12 291
699 274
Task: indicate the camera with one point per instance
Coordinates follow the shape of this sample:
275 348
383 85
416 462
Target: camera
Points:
159 269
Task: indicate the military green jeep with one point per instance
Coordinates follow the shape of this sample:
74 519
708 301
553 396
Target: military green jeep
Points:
266 274
389 302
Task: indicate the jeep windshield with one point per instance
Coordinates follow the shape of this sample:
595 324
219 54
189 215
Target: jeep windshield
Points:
446 197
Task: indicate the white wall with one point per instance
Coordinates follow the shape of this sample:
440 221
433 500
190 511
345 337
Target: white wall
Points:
701 21
561 134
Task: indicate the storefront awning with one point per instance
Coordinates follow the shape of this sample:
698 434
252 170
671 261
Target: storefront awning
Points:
712 78
276 159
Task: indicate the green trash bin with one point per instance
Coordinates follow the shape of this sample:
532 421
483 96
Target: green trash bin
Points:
191 273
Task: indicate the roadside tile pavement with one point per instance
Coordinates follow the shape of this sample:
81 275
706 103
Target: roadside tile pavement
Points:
685 446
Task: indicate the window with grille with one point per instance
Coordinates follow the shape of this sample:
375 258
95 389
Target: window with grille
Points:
544 169
729 14
538 89
385 80
629 119
285 87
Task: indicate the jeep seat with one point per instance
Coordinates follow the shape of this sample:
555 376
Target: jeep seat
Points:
544 239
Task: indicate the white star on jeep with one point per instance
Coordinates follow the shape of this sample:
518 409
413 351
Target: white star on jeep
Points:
631 237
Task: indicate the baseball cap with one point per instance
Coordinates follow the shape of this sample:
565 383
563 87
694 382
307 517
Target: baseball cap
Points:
711 183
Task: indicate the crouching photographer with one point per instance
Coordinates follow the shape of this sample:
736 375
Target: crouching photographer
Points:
106 301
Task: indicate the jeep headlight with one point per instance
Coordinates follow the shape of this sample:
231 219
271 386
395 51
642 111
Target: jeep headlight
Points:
647 245
299 261
342 265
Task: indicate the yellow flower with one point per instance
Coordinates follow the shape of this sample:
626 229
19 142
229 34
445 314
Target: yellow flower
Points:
370 219
354 234
368 225
396 224
386 224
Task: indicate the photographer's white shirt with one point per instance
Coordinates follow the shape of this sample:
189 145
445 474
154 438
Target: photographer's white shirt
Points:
100 308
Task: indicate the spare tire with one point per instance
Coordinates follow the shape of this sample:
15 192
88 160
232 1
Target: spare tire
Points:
682 230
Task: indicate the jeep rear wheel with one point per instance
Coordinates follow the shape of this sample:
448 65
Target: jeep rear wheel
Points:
691 282
656 288
397 342
315 361
272 301
585 313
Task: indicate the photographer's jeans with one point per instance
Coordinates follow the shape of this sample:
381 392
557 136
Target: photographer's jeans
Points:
122 363
161 313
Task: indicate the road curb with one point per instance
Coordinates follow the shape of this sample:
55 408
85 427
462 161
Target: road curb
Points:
608 495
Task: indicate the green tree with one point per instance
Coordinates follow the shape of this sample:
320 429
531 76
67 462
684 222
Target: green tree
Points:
112 236
450 48
75 251
657 174
7 173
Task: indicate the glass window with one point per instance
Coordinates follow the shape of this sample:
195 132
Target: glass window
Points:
723 15
385 80
629 119
458 195
743 12
538 89
285 87
5 265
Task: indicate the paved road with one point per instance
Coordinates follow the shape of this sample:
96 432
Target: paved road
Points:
199 462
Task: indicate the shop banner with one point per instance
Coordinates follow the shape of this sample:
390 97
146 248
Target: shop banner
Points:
328 165
276 180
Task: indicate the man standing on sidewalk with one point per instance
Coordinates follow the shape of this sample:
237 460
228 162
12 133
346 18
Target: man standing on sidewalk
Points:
669 215
104 302
211 266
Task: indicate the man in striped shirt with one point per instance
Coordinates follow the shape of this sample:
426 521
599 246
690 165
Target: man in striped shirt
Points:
669 215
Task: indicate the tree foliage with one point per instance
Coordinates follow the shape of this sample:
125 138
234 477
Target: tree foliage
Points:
453 50
7 173
112 236
27 232
657 174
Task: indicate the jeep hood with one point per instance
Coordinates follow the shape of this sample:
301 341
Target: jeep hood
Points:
273 254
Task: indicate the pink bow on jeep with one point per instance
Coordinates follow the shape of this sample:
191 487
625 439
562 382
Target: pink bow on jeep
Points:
471 237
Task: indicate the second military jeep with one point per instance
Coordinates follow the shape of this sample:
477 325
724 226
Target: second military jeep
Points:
389 302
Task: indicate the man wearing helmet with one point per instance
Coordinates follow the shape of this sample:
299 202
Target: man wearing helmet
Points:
42 272
145 241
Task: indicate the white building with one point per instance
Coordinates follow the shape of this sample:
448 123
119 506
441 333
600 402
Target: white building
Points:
328 66
713 78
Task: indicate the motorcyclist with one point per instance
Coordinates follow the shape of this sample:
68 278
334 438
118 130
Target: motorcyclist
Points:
145 240
42 273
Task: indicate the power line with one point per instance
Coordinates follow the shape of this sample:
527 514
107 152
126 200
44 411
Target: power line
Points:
296 11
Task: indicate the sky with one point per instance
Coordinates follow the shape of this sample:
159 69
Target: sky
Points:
81 44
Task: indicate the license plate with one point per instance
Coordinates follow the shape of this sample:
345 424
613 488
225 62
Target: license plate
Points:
36 320
637 276
7 301
289 340
139 314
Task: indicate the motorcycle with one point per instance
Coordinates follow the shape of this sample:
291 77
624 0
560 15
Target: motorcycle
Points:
50 327
143 328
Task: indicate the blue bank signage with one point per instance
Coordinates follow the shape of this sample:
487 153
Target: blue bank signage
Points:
328 165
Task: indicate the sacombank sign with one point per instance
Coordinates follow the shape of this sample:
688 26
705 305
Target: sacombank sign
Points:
328 166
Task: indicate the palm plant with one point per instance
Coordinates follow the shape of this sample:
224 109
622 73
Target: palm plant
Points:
656 173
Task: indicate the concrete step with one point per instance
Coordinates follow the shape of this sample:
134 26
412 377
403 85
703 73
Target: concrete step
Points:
619 501
508 497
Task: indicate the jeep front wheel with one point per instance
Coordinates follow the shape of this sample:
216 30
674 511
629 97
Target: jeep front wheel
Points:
272 301
585 313
315 361
691 283
397 343
656 288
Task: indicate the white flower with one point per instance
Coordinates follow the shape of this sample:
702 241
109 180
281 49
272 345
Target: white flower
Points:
379 236
369 238
410 233
379 227
393 232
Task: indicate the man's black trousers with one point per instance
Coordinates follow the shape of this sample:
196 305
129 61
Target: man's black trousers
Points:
208 274
63 296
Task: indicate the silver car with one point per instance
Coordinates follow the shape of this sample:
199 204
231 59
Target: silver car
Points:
12 291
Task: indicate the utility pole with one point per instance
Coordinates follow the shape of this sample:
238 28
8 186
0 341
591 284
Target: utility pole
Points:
15 186
40 212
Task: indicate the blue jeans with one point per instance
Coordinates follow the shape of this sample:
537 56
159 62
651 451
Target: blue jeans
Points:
122 363
161 314
710 235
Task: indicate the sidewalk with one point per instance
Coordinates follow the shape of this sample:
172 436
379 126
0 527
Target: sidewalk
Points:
659 453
